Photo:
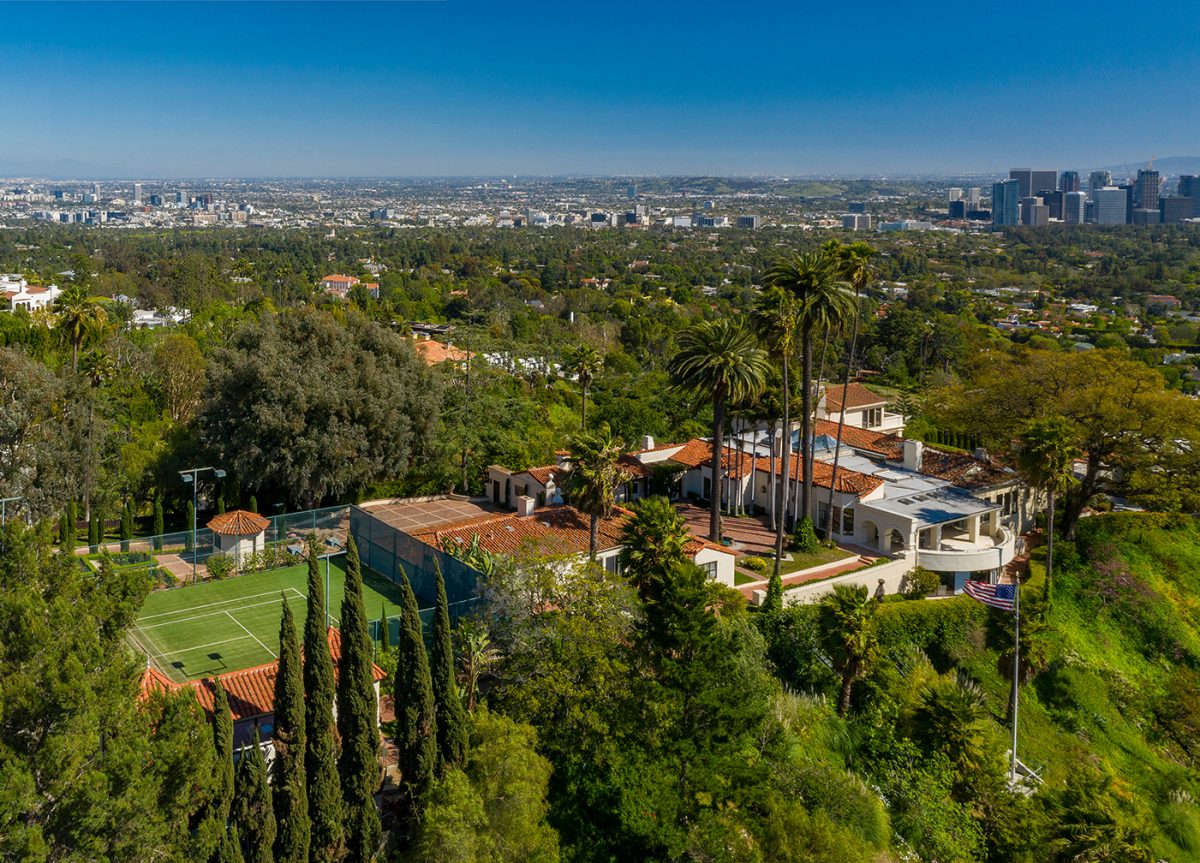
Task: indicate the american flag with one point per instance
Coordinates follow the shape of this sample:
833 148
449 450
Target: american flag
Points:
1001 596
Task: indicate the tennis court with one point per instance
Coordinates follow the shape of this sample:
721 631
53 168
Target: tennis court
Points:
220 626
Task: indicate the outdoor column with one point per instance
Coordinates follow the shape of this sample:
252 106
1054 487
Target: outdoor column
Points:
973 528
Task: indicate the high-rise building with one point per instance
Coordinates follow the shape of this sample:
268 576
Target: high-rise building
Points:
1129 201
1112 206
631 192
1006 196
181 197
96 189
954 194
1189 187
856 222
1068 181
1034 212
1173 209
974 196
1033 181
1053 200
1074 207
958 209
1098 180
137 194
1145 190
750 222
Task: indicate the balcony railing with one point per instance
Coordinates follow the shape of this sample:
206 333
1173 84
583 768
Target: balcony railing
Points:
957 555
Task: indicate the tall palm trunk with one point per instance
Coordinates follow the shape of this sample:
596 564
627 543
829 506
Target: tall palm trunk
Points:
593 536
714 512
837 449
583 410
1050 537
785 454
771 470
806 430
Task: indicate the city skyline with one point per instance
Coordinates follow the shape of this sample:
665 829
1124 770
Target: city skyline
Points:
465 89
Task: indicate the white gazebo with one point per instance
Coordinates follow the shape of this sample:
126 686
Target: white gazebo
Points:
238 533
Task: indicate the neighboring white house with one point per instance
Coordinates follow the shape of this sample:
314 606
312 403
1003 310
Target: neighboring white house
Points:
339 285
862 408
22 295
239 533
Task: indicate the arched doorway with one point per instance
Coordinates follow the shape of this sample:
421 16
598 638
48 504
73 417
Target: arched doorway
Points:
895 541
869 532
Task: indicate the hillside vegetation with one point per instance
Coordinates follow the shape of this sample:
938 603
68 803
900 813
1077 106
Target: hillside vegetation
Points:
1109 710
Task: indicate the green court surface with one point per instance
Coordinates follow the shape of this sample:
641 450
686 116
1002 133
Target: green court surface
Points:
220 626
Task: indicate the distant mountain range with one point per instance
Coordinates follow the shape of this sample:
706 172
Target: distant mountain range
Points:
1169 165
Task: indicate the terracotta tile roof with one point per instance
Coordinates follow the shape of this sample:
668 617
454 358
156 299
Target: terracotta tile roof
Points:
963 469
239 522
337 278
551 530
886 445
437 352
848 481
633 468
251 691
544 474
698 452
853 395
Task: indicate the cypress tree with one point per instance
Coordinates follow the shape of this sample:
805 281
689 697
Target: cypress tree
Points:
72 520
223 743
320 753
64 530
159 522
94 531
126 525
253 503
288 781
253 815
452 731
358 719
416 722
774 601
230 850
220 504
191 519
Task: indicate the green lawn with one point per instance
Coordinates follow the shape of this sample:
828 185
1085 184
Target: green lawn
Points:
805 561
220 626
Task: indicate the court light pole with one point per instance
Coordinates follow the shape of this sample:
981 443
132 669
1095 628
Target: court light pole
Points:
192 475
4 502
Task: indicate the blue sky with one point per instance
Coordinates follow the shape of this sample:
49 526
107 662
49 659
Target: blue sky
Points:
459 87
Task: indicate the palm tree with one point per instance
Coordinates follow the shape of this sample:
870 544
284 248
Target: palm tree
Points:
721 360
776 316
857 269
848 634
950 718
99 368
78 316
594 476
585 363
813 279
1046 456
654 542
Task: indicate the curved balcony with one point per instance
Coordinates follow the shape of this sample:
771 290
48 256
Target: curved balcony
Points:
960 555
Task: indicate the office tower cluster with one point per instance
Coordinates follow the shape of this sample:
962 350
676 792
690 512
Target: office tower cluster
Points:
1036 197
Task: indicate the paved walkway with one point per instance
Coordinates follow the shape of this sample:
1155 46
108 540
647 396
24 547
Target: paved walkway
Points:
750 535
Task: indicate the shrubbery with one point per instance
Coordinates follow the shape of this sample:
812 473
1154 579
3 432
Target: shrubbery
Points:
753 563
919 582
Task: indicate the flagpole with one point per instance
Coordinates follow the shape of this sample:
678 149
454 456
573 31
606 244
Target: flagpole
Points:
1016 669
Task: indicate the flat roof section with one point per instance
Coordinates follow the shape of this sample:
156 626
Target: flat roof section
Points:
411 516
937 506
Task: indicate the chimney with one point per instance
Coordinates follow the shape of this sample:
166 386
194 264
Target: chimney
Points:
913 450
647 442
525 506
